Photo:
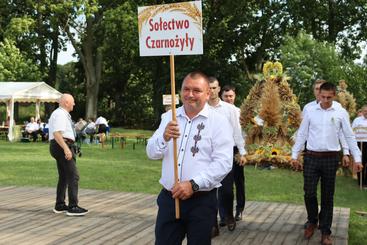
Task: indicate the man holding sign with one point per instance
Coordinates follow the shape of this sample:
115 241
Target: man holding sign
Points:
204 158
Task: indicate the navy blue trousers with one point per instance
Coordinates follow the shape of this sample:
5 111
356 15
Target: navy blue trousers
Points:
197 215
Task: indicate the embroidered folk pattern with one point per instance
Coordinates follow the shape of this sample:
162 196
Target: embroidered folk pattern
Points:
197 138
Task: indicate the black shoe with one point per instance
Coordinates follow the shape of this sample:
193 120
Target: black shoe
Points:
238 216
61 208
215 231
231 223
76 211
222 223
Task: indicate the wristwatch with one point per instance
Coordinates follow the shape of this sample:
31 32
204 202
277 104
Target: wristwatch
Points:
194 186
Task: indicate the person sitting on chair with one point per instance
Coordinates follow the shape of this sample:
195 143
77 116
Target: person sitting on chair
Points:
31 129
40 131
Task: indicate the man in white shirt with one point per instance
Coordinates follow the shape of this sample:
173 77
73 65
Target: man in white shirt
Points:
204 143
229 96
316 91
32 129
62 148
225 192
359 126
320 128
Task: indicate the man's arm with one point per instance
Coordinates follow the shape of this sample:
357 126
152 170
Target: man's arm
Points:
300 141
237 135
60 140
352 143
218 166
157 144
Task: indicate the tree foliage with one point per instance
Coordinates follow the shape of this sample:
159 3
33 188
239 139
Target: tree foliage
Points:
111 79
307 59
14 66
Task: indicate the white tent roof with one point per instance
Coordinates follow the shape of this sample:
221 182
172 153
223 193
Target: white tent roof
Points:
28 92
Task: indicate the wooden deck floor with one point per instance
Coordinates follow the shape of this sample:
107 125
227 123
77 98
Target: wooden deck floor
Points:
26 217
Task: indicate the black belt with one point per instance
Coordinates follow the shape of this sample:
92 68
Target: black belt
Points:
69 141
322 154
196 194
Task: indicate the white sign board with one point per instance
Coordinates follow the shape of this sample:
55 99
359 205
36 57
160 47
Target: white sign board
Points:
167 99
170 29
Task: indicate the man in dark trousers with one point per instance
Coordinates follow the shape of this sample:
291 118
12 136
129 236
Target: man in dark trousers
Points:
225 192
321 128
204 159
229 96
62 148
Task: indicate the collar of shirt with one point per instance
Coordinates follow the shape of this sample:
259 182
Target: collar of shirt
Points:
204 112
332 107
220 103
66 112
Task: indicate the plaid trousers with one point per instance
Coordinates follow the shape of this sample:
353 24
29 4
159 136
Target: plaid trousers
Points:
324 168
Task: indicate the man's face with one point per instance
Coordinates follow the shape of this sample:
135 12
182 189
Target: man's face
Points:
214 90
194 94
316 91
364 112
69 104
326 98
229 96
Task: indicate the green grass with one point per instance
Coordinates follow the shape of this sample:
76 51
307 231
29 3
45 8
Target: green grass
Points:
30 164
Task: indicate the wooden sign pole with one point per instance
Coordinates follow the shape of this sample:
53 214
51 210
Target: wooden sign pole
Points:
173 107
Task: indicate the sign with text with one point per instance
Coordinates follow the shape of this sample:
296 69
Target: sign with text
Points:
170 29
167 99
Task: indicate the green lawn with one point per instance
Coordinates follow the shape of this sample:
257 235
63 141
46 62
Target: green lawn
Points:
30 164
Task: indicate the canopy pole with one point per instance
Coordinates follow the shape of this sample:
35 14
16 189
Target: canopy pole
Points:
11 122
38 103
7 109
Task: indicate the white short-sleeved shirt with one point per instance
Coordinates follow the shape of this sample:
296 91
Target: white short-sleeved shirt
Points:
32 126
60 120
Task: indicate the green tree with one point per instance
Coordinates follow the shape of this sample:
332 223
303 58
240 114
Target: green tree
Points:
14 66
341 22
81 21
306 59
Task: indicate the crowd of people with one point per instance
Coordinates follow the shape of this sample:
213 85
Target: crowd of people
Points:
35 128
208 135
88 132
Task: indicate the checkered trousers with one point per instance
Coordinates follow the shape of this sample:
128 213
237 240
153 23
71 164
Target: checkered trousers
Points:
314 169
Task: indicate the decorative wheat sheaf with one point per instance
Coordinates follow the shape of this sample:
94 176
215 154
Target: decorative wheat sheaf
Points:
188 9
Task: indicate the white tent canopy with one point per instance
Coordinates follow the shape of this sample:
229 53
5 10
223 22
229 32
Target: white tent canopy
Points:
31 92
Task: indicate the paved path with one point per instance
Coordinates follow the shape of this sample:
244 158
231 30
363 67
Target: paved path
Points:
26 217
